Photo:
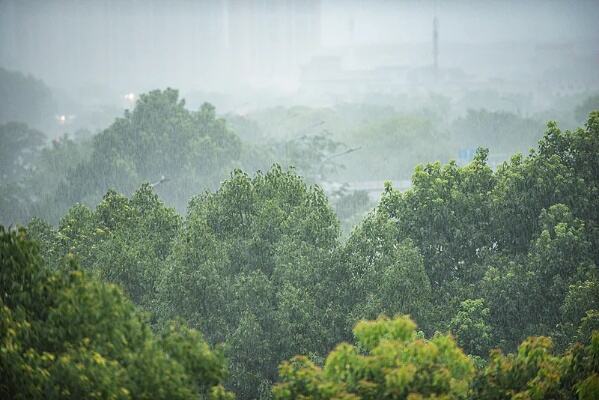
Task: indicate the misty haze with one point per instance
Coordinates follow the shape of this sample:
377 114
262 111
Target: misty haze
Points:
299 199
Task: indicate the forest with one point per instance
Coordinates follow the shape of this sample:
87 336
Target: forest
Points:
475 282
299 199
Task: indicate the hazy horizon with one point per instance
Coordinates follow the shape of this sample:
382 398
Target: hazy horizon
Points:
243 46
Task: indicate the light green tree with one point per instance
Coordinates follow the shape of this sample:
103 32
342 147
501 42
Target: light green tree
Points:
389 362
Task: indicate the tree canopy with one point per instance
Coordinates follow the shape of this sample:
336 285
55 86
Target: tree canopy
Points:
64 334
389 362
494 256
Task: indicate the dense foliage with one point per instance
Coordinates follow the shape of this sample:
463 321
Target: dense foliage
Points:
523 239
493 256
124 241
535 372
64 334
160 137
389 362
160 141
392 361
248 268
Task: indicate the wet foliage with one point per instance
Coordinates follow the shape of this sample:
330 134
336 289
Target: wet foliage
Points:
497 267
66 335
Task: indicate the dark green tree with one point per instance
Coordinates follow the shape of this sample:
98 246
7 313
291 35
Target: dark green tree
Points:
380 275
124 241
472 329
248 268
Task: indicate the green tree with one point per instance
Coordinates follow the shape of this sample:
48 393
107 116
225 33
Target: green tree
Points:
532 373
248 269
472 329
447 215
66 335
389 362
535 372
582 376
563 170
559 257
159 137
537 284
381 275
505 289
124 241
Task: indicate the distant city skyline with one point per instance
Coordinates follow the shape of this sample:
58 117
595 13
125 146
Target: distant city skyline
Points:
224 45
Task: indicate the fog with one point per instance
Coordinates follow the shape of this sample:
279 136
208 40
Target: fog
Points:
300 52
283 199
350 93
